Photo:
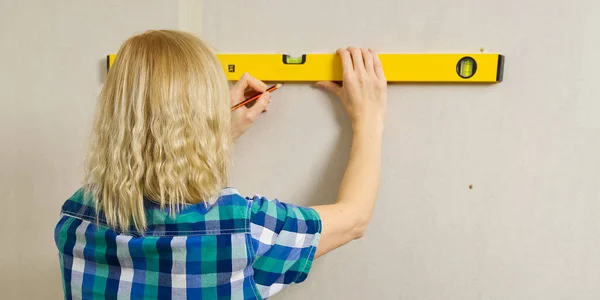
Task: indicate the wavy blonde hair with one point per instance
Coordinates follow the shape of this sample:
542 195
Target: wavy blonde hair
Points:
162 129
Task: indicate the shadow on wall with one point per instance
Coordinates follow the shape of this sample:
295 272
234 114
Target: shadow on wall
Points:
102 70
326 189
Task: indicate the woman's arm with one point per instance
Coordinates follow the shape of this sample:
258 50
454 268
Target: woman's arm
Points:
364 95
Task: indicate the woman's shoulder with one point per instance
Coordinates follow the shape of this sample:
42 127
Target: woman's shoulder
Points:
230 196
260 207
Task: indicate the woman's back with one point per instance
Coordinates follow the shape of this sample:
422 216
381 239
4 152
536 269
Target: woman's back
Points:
238 248
154 219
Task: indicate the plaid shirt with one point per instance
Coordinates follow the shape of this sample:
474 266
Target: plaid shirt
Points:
239 248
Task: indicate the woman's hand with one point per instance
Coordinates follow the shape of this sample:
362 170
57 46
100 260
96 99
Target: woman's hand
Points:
364 92
243 117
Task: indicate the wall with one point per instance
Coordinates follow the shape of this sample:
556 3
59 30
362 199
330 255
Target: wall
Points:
528 229
52 70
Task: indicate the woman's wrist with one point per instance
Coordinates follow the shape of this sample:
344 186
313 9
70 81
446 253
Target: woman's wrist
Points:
369 127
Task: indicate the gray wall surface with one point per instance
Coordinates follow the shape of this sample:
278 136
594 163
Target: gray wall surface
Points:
528 229
530 226
52 69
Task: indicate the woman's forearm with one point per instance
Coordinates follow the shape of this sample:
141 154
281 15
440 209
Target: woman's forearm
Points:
360 185
348 218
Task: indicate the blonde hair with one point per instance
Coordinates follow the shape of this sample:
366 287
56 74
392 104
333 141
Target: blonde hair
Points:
162 129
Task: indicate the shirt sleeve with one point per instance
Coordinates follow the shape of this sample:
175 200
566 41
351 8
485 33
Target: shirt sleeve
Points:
284 238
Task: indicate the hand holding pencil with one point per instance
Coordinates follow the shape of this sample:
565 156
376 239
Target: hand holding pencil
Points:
254 98
242 114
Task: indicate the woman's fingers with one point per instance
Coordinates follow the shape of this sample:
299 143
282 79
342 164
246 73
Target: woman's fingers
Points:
259 107
377 65
346 60
357 59
333 87
247 81
368 59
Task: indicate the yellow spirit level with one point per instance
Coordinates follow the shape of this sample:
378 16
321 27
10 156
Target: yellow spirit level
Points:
450 68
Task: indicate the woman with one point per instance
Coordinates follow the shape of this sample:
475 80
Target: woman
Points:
155 218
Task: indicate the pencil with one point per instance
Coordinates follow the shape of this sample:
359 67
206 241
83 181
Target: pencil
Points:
255 97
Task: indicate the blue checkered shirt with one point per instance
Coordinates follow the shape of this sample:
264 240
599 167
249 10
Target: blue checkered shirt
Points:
238 248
